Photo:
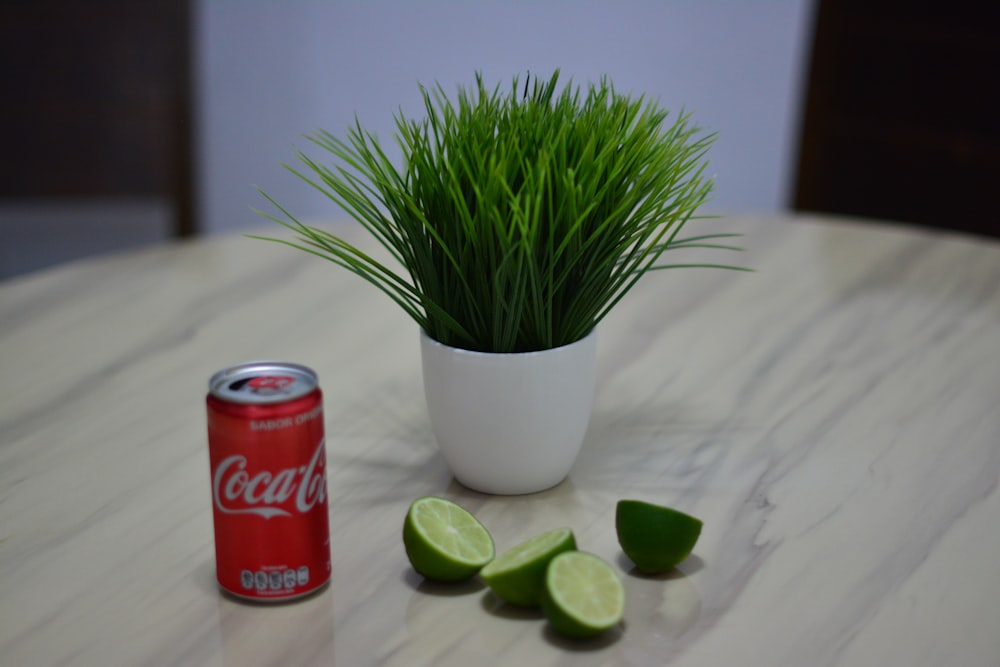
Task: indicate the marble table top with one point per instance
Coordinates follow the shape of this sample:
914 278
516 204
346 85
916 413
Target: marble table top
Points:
834 418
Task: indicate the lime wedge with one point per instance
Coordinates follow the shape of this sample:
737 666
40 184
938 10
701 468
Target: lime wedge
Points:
654 537
518 574
583 595
443 541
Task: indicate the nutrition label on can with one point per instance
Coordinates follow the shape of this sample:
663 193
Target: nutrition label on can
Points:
274 580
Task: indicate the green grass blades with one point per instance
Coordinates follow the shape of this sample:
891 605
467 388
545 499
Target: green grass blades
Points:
519 216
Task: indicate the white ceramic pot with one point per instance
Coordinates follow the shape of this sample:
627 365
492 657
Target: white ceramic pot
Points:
510 423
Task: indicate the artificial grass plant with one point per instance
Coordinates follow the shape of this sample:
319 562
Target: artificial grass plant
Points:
519 217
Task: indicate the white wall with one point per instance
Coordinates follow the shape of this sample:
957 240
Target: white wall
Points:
270 71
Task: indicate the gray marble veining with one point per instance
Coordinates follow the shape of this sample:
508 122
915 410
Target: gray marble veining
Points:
832 417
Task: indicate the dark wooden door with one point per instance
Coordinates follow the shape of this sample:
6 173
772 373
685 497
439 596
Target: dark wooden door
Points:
97 101
902 118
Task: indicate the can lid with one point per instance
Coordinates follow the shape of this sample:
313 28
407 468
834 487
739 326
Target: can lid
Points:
263 382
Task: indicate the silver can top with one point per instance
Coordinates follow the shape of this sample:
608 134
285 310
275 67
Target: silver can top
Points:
263 382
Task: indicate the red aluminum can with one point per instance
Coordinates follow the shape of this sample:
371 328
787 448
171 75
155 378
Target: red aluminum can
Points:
268 463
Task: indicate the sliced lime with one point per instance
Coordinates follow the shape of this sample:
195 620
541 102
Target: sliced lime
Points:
583 595
518 574
654 537
443 541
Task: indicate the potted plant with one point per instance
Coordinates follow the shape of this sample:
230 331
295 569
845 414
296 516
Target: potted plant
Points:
519 218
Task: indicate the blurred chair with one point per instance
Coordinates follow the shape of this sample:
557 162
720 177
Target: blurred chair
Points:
95 127
901 117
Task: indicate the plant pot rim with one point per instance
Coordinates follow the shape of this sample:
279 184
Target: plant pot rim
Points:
477 353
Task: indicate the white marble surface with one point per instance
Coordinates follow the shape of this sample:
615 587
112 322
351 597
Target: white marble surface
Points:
833 418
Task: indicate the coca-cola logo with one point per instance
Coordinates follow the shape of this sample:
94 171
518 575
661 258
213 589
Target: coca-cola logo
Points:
268 493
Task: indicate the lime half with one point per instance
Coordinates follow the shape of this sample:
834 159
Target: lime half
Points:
583 595
518 574
443 541
654 537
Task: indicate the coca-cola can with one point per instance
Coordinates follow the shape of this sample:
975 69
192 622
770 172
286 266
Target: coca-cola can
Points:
268 468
